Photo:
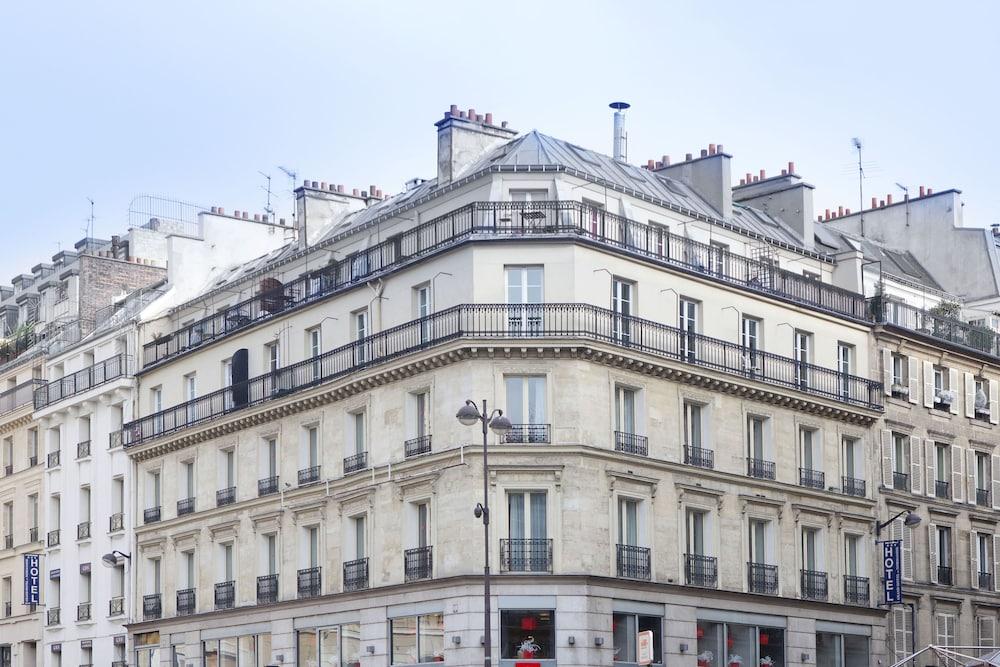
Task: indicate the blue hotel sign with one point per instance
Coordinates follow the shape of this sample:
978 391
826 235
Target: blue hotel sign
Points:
32 579
891 572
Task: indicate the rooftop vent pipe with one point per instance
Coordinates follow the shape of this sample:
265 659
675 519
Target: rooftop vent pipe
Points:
620 139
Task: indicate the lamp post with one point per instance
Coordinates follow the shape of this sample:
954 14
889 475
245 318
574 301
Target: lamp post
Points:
911 521
468 415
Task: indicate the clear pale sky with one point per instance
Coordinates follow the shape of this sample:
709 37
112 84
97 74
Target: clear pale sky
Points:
190 99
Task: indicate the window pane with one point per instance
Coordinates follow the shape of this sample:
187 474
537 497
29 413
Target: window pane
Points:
515 400
432 638
623 635
741 641
536 400
264 649
247 651
307 649
772 645
653 624
538 528
211 653
404 640
527 634
351 644
855 650
329 647
515 510
227 652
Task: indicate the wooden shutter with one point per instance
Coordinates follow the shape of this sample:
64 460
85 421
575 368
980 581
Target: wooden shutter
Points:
916 470
970 476
957 475
994 403
932 552
887 371
913 384
994 486
899 647
985 630
996 563
928 384
970 396
930 464
974 558
907 550
888 459
953 387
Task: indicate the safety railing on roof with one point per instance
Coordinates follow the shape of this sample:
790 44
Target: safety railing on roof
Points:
507 220
86 378
15 397
918 320
505 321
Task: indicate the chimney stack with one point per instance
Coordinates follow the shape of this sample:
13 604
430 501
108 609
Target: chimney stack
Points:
463 139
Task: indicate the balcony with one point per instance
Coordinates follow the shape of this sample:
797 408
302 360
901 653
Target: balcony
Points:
356 575
355 463
814 585
187 601
116 522
225 496
968 336
985 581
53 460
633 562
52 539
225 595
33 461
983 497
812 479
502 221
267 486
83 449
630 443
83 611
83 530
151 515
185 506
526 555
8 470
267 589
527 434
942 489
8 541
763 578
110 369
152 607
699 457
52 616
557 322
944 573
115 439
900 481
116 606
760 468
417 446
856 590
418 563
701 570
309 475
309 581
7 609
33 534
852 486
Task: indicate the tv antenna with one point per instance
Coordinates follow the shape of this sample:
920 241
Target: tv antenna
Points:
267 208
90 221
293 176
861 184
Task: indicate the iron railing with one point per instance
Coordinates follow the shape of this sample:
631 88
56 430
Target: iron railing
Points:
985 581
309 581
33 461
267 589
22 394
814 585
760 468
856 590
83 611
225 496
763 578
225 595
505 220
417 446
633 562
116 522
185 506
151 514
110 369
83 449
267 486
186 601
52 616
83 530
116 606
701 570
527 434
942 489
355 462
309 475
356 574
8 541
152 607
418 563
115 439
7 609
631 443
972 337
699 457
983 497
813 479
53 459
900 481
8 470
526 555
944 573
492 321
33 534
52 539
852 486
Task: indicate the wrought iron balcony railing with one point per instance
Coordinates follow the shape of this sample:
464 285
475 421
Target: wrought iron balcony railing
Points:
15 397
985 581
631 443
83 449
110 369
53 459
309 581
491 321
813 479
116 522
52 616
763 578
186 601
356 574
502 221
760 468
526 555
900 481
969 336
983 497
52 539
418 563
83 530
152 607
33 534
417 446
151 514
309 475
699 457
8 541
852 486
814 585
355 463
267 486
185 506
944 573
701 570
83 611
116 606
856 590
225 496
942 489
267 589
115 439
633 562
225 595
527 434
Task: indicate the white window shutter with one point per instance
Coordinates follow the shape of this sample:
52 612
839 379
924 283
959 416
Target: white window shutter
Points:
930 463
957 475
970 476
953 386
970 396
996 563
907 550
994 486
928 384
913 384
932 552
899 648
888 459
916 470
986 630
974 556
887 371
994 403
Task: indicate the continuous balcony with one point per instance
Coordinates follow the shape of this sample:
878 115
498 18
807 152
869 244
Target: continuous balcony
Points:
502 221
526 555
969 337
557 321
418 563
21 395
83 380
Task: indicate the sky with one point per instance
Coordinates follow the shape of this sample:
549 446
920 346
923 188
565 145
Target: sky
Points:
191 100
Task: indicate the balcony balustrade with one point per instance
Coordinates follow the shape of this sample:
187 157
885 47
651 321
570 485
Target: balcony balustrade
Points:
95 375
417 446
763 578
526 555
356 574
633 562
418 563
527 434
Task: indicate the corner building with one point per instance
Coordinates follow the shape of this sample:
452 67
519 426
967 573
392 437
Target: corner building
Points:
692 450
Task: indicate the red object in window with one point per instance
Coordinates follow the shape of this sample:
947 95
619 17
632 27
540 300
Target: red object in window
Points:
527 664
528 623
764 639
700 633
730 642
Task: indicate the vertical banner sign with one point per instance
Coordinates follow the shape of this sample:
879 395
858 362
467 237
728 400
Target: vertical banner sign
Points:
32 579
891 571
644 646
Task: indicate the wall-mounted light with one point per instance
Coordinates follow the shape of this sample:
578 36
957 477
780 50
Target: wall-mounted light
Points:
370 649
456 640
598 641
572 640
804 657
682 647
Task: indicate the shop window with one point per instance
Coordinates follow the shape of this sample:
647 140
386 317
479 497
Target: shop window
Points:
736 645
527 634
625 629
335 646
417 639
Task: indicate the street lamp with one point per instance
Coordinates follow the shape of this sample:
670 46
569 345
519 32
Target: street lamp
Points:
468 415
111 559
911 520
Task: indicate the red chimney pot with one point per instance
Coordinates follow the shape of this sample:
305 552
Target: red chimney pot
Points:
791 167
762 175
453 110
888 198
489 118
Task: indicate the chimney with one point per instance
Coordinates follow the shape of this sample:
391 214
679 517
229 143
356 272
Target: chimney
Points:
710 176
788 198
463 140
620 139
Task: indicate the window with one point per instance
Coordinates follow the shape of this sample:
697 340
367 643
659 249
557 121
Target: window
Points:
811 550
750 330
845 366
694 425
687 321
811 452
8 455
314 348
759 547
156 407
982 560
941 554
153 489
417 639
982 398
191 393
803 357
759 448
272 353
900 376
983 478
358 525
422 309
623 306
421 413
310 442
269 458
624 631
754 645
529 195
835 649
718 262
422 524
811 275
524 292
360 334
227 381
527 634
628 521
526 511
310 547
944 629
986 628
336 646
188 576
901 633
853 466
853 552
359 439
696 521
526 399
625 400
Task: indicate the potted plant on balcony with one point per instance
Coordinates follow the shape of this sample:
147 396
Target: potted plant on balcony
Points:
944 397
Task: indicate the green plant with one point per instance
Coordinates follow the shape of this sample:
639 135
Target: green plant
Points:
949 309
